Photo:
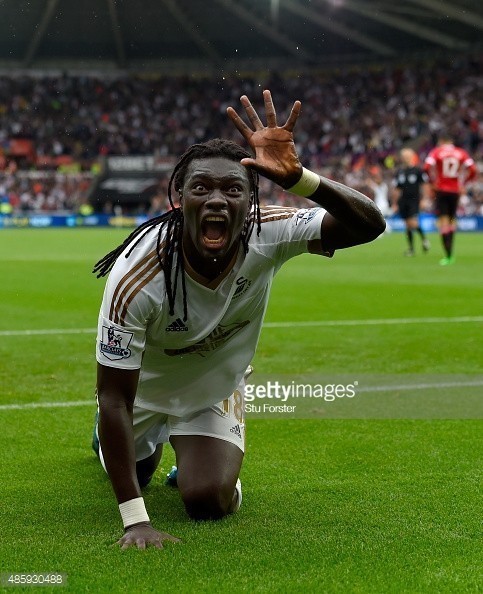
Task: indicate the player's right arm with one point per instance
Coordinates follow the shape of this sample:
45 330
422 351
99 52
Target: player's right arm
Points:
116 389
125 311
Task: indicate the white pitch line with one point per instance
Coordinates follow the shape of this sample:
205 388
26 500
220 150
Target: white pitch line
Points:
389 388
300 324
48 331
402 387
380 322
32 405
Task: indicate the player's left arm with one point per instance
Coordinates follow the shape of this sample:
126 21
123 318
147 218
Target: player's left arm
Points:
351 218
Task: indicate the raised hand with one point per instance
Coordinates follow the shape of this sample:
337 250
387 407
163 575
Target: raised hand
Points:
275 154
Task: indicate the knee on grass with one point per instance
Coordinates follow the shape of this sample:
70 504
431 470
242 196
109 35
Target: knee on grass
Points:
208 502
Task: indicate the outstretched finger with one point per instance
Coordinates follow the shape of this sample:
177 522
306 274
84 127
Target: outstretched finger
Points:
293 117
251 113
240 125
270 110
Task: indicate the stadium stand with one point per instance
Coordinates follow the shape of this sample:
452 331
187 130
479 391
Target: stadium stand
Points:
57 133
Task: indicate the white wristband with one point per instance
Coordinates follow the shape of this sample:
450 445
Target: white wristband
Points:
306 185
133 512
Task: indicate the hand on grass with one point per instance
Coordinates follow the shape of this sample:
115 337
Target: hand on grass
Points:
144 535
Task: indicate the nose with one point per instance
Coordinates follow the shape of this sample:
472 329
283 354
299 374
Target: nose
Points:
216 200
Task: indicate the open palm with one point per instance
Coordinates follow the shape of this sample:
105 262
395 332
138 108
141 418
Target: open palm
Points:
275 154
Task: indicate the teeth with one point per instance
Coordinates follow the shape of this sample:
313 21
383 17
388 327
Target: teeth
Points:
215 219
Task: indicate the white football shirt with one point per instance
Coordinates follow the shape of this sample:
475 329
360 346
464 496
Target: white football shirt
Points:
187 366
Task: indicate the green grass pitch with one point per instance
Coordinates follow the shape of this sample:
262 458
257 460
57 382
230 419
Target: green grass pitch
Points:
341 503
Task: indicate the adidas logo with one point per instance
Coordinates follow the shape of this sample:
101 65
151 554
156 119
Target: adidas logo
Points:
236 430
177 326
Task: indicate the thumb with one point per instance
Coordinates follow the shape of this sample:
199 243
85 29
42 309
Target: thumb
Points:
248 162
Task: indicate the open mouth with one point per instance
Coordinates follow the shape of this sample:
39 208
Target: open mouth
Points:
214 231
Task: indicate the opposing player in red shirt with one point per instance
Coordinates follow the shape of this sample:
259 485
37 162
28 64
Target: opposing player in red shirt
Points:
449 168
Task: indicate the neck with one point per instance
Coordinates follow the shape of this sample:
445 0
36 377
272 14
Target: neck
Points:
207 270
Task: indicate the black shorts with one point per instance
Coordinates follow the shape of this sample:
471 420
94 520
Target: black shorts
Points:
446 204
408 209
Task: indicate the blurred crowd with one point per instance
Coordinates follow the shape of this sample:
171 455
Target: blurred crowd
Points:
23 192
353 122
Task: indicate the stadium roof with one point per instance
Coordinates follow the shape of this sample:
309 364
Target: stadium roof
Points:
225 35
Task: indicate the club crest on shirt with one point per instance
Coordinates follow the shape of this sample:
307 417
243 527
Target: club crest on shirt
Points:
305 215
243 285
114 344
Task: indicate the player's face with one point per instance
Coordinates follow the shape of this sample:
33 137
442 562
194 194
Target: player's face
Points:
215 201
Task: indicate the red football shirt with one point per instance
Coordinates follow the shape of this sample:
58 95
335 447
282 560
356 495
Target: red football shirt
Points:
449 168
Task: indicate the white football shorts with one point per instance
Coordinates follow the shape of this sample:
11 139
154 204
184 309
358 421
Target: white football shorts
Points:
224 420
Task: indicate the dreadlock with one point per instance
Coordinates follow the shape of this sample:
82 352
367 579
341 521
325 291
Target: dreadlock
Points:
173 220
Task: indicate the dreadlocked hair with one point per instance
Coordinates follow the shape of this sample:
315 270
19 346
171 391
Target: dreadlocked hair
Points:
173 220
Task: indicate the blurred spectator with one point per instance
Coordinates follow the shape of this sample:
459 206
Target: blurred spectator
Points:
380 190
